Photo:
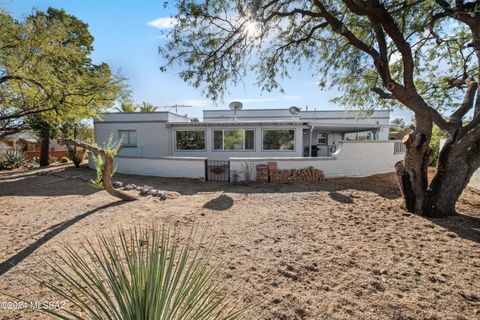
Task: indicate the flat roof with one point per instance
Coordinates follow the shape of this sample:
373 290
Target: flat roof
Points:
235 123
286 109
345 127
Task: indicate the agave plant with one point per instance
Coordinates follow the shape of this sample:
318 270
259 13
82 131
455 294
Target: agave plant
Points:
140 274
14 158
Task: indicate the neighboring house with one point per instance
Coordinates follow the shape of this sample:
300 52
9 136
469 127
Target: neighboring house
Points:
30 144
167 144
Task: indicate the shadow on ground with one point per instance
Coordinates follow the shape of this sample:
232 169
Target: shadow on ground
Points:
58 183
53 182
8 264
466 227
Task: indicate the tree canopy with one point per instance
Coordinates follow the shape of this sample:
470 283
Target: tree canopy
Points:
423 55
47 74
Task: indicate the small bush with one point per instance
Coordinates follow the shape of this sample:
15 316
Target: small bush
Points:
435 145
2 165
64 160
14 158
52 159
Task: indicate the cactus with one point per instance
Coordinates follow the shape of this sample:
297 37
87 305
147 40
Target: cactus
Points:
14 158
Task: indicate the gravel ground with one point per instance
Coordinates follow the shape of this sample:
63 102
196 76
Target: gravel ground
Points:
341 249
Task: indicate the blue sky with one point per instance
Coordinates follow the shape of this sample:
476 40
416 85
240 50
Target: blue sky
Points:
127 41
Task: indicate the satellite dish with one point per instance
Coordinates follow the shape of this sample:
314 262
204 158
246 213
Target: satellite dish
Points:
294 111
235 106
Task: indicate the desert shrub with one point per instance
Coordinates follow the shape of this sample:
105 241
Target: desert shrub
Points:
75 156
139 274
64 160
110 148
52 159
14 158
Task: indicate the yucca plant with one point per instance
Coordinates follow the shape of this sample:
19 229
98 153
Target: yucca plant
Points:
14 158
142 274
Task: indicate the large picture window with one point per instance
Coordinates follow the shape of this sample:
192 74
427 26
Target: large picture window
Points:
239 139
128 137
278 139
190 140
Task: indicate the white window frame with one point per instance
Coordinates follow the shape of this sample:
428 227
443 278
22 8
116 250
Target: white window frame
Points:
322 135
192 150
281 129
128 131
223 140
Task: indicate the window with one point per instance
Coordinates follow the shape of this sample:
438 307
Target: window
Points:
322 138
128 137
365 135
190 140
234 139
278 139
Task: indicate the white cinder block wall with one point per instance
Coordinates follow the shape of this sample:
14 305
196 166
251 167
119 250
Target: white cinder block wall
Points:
353 159
162 167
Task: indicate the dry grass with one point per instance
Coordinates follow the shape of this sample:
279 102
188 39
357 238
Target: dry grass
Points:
342 249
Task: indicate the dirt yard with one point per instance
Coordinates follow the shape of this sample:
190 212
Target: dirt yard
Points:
342 249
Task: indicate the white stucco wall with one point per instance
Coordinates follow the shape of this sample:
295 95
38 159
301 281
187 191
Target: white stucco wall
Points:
159 166
353 159
163 167
153 137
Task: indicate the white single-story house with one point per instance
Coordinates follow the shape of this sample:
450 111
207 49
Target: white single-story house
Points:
342 143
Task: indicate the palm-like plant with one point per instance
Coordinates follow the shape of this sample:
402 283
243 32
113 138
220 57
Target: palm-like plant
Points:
126 107
147 107
142 274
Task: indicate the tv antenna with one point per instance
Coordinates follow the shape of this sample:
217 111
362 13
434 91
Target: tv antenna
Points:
235 106
175 107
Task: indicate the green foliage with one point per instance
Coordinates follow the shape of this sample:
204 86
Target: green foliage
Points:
147 107
46 70
64 160
126 107
435 145
216 43
145 273
398 123
111 148
99 162
14 158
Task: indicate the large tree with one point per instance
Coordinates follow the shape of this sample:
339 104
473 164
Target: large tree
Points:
417 54
47 76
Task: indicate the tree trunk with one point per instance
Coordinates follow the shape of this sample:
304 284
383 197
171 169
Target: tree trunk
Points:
412 171
454 171
107 169
44 148
107 181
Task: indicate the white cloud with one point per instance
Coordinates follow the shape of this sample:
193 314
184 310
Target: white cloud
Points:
162 23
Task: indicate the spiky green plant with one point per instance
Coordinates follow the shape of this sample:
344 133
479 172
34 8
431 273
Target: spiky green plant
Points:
142 274
14 158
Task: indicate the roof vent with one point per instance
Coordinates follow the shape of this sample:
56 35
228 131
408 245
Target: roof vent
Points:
235 106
